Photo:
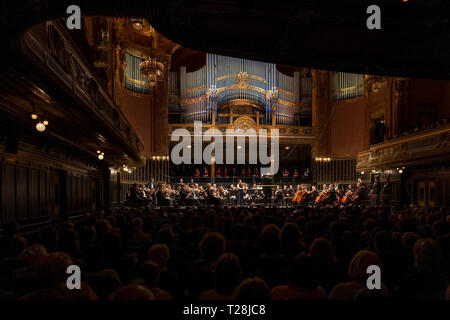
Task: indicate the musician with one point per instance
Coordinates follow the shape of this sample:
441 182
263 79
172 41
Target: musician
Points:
133 194
360 194
387 192
211 198
162 197
348 195
278 195
313 194
339 194
323 195
232 193
307 173
376 191
240 193
183 194
332 195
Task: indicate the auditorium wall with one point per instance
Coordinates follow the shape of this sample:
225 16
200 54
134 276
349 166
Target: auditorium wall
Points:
428 102
349 129
35 187
137 109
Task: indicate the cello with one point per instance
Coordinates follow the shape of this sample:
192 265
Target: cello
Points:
346 197
299 196
323 195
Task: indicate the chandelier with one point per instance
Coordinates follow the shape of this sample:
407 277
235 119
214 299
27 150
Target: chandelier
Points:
153 69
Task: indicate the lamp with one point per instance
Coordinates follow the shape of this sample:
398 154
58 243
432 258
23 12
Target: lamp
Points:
153 69
40 127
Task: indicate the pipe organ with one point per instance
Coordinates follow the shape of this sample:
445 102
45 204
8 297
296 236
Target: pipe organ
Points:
238 82
347 85
134 80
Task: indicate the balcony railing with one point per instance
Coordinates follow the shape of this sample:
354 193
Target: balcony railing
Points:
419 148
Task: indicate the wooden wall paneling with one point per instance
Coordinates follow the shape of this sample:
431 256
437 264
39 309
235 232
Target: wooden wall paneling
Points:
9 191
43 192
51 193
33 204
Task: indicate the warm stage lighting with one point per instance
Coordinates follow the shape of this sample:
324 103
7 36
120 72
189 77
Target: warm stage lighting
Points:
34 116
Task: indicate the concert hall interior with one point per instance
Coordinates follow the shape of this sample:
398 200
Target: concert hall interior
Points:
92 120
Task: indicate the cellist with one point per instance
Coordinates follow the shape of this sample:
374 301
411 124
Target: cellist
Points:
323 195
348 195
300 195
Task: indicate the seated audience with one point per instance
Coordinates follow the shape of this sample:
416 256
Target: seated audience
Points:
303 281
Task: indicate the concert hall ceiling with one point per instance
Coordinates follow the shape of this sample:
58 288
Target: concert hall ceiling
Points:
414 40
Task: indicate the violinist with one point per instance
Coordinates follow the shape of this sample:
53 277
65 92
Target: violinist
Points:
162 197
212 199
183 194
278 195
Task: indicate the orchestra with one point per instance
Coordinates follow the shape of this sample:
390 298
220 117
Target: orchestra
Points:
241 194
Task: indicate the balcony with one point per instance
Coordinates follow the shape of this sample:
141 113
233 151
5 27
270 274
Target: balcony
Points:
418 149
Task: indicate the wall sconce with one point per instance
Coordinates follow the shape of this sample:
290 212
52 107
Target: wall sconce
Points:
40 127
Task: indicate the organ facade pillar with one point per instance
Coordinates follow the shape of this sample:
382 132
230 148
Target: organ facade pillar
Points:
321 97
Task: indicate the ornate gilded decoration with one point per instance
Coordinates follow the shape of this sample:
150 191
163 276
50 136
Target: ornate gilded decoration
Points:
199 88
192 100
235 86
250 76
141 26
244 123
242 80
